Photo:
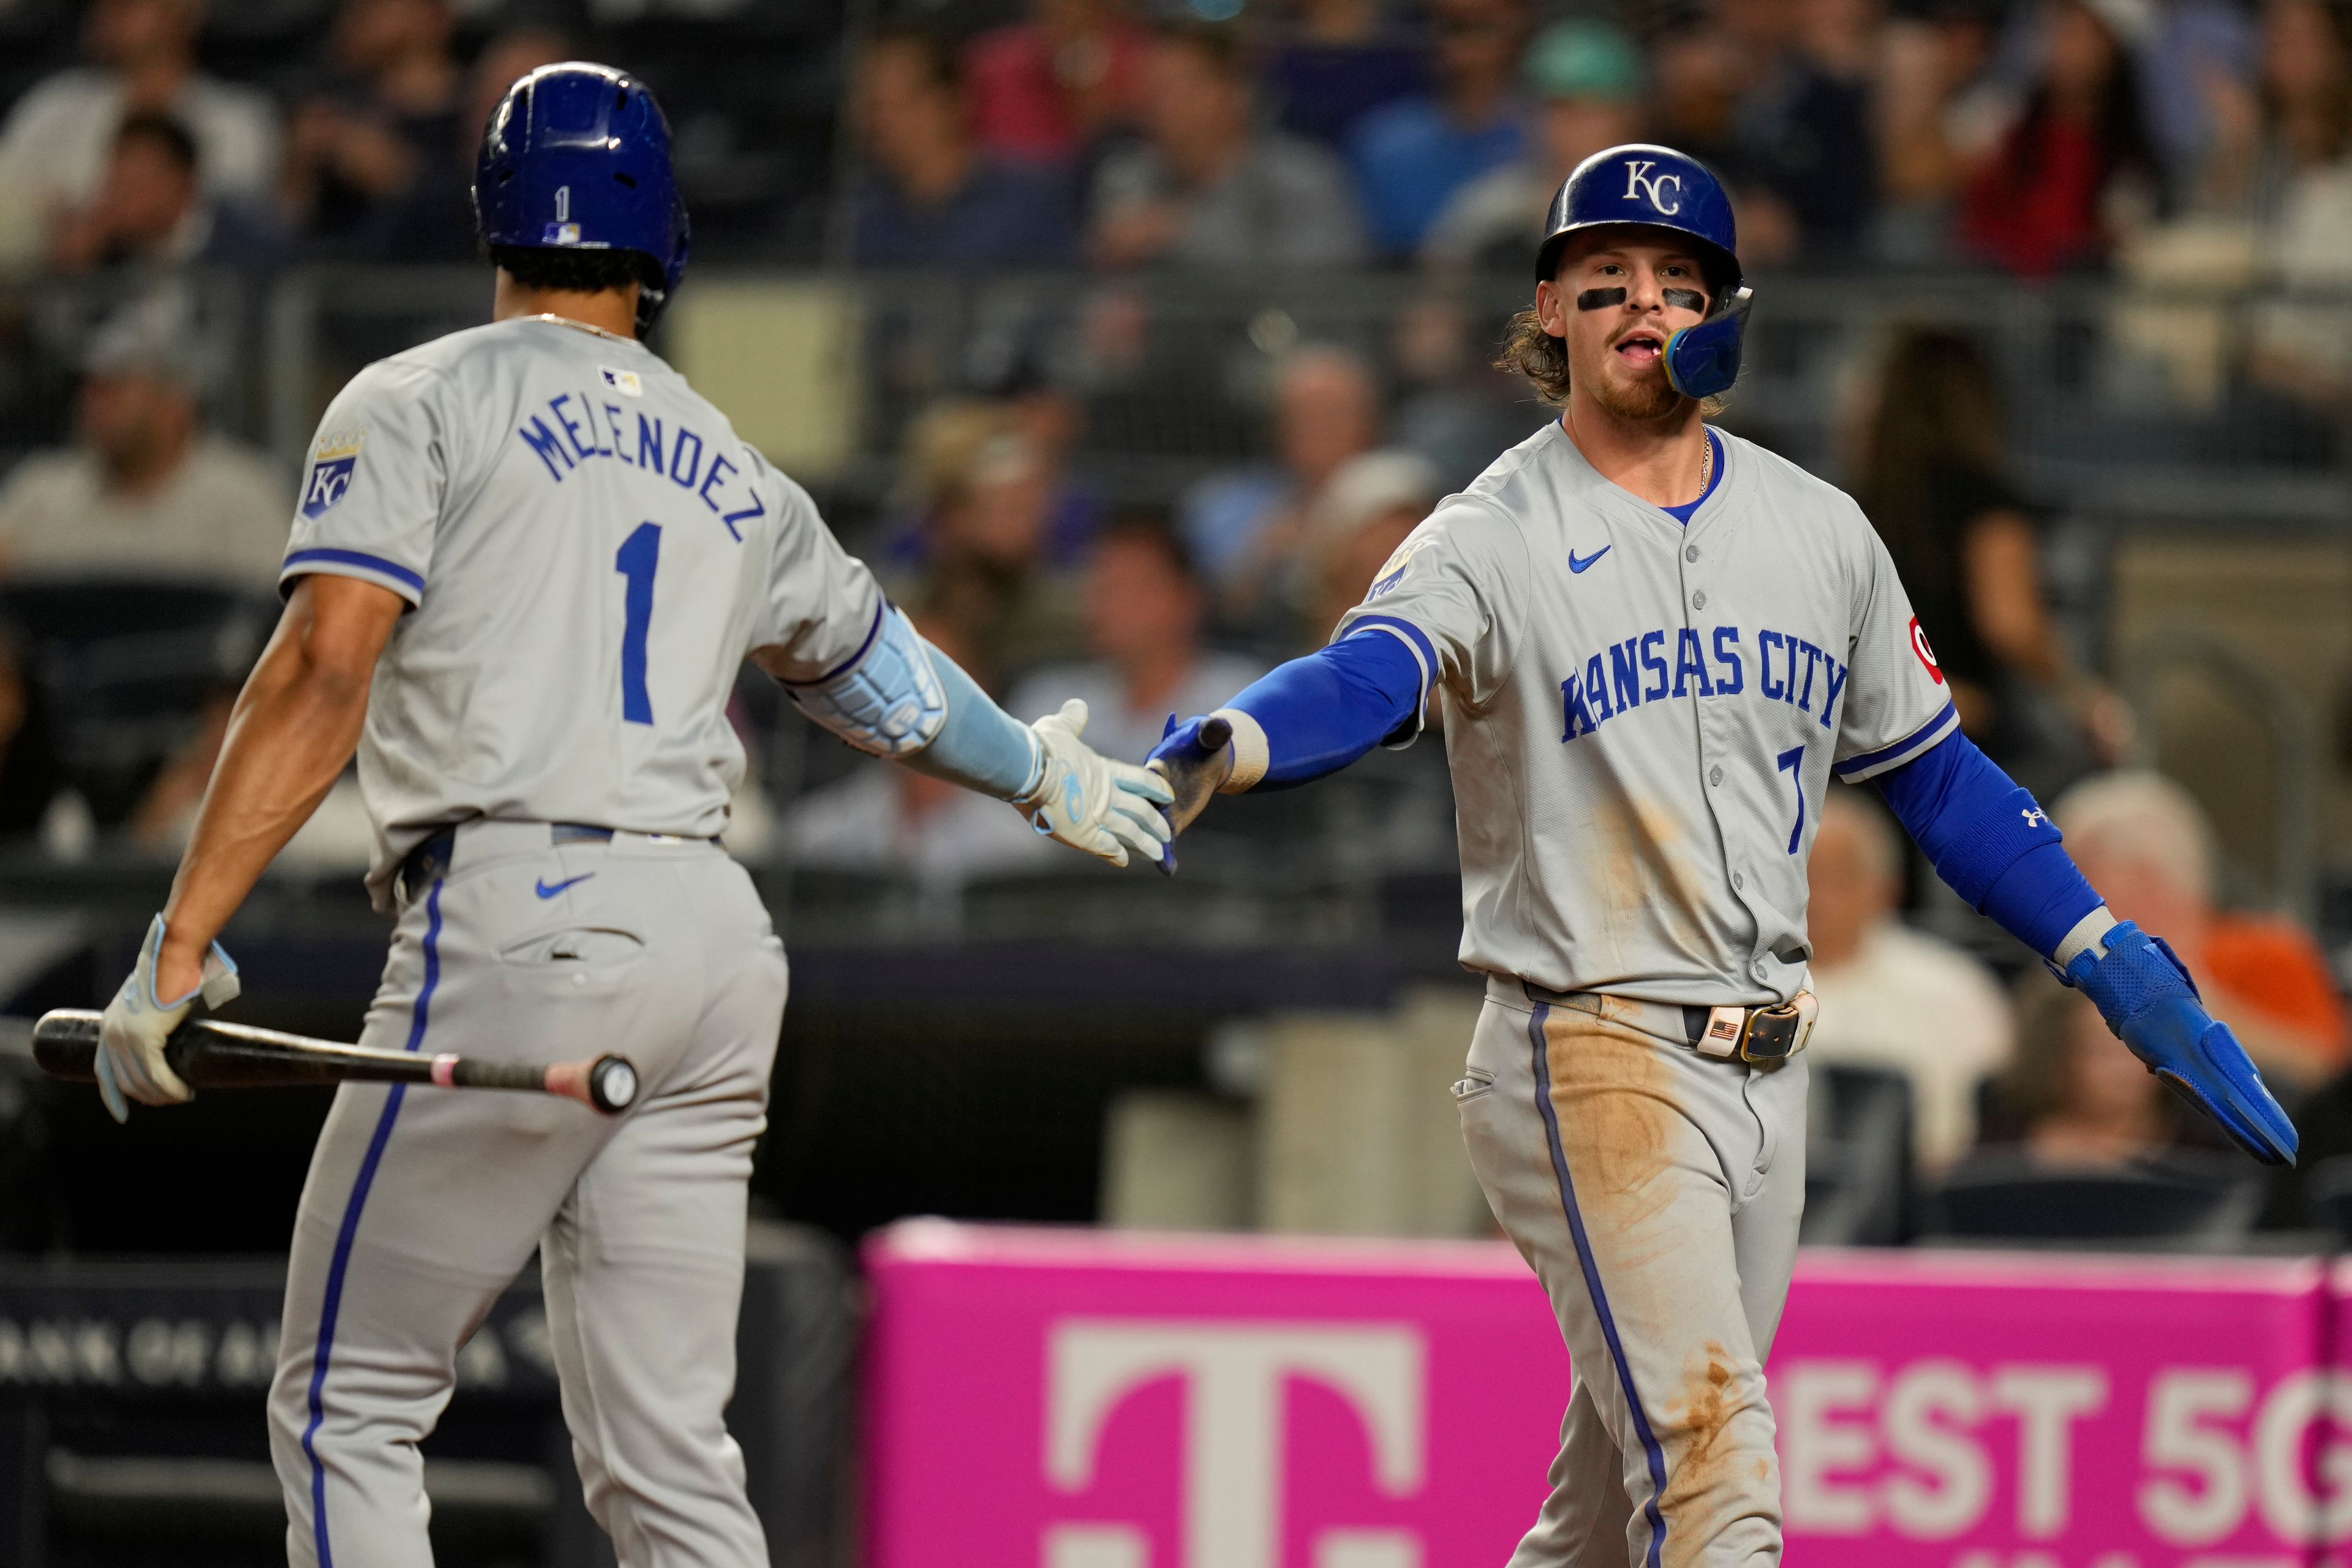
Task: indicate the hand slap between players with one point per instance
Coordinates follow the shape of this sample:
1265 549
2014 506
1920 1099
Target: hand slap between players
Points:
1086 800
2145 994
137 1023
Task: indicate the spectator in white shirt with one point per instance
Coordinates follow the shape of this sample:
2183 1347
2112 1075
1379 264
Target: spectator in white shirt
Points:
1144 607
147 491
56 140
1892 997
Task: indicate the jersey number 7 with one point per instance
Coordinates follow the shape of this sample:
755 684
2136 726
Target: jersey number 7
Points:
1792 763
639 558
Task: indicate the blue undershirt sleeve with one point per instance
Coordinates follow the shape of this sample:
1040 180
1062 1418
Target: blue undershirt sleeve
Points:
1987 839
1323 712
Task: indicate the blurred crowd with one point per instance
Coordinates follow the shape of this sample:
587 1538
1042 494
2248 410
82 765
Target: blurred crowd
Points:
2037 138
2180 144
2034 136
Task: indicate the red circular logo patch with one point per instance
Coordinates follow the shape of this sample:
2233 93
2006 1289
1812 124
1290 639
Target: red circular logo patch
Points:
1926 655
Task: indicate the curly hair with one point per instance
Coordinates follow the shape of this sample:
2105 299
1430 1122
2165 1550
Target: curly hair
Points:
573 271
1531 352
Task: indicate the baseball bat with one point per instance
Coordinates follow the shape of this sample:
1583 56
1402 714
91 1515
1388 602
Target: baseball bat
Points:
208 1054
1192 780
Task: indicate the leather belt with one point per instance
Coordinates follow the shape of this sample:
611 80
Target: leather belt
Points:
1755 1035
433 857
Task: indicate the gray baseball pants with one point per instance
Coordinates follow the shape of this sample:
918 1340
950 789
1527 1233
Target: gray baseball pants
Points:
1656 1192
423 1203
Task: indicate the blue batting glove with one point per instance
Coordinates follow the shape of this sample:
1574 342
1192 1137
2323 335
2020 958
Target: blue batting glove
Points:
2145 993
1195 757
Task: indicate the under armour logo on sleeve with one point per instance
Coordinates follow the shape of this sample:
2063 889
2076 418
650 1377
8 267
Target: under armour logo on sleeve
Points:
2034 817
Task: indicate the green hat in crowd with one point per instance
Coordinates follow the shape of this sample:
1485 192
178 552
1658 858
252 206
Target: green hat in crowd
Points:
1584 59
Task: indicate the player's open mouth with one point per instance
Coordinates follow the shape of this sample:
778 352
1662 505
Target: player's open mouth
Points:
1643 347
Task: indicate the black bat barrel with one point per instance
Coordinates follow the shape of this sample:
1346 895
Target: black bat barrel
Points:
208 1054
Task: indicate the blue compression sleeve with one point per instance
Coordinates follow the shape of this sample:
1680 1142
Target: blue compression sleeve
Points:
980 745
1323 712
1987 837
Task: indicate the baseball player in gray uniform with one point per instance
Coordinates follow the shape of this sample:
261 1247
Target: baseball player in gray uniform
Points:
1651 645
527 566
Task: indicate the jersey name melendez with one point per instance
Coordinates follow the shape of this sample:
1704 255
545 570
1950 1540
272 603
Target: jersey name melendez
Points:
591 428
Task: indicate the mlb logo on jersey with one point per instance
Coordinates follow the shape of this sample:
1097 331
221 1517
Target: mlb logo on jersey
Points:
330 471
624 382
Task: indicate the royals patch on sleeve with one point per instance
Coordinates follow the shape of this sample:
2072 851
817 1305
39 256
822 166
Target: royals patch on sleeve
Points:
1926 655
1392 572
329 478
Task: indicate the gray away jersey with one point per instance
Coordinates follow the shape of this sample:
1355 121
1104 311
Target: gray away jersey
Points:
1641 717
590 554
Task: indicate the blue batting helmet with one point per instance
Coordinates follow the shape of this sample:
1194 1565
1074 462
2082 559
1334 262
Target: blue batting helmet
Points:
576 157
1658 187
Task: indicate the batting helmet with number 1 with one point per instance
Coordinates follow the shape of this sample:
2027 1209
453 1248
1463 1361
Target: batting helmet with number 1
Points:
576 157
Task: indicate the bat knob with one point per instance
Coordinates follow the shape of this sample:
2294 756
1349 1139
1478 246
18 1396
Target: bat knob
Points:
613 1084
1216 734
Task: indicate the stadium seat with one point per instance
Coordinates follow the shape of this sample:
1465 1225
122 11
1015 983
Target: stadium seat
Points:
127 666
2183 1200
1858 1171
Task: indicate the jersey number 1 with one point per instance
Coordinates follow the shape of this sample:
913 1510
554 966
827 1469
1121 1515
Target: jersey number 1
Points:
639 557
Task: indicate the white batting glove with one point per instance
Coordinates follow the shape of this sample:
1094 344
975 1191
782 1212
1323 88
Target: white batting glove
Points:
131 1033
1086 800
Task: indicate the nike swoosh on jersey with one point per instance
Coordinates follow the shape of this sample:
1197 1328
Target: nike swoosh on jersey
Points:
1576 566
547 892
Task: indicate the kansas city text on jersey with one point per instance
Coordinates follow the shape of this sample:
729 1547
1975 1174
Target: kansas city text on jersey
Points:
1639 670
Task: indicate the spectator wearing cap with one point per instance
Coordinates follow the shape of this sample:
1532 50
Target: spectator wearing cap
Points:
2074 169
1046 90
1372 502
1335 61
1244 526
147 491
1586 79
1892 997
57 142
2143 841
391 109
1413 155
1209 188
150 210
929 196
1144 608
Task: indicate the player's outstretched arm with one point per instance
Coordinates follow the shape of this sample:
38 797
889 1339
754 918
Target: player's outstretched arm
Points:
1999 851
295 726
905 700
1310 717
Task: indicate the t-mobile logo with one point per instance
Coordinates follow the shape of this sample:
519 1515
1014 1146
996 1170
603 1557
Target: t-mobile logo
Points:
1234 1428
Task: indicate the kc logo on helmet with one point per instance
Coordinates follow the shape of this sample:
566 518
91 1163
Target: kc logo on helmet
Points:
1640 182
